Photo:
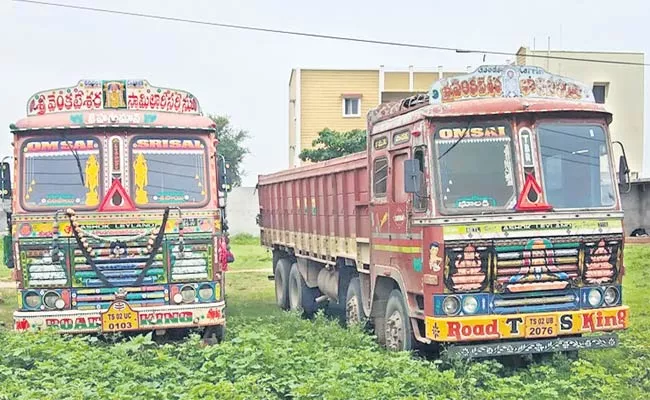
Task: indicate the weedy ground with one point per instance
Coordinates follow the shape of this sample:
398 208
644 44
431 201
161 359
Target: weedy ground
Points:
270 354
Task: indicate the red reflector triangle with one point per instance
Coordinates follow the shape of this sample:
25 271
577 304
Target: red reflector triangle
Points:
116 199
531 197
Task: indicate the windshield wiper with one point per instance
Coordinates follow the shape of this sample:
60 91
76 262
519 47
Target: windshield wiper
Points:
469 126
76 157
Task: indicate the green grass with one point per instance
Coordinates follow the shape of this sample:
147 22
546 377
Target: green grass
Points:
270 354
249 254
5 273
8 303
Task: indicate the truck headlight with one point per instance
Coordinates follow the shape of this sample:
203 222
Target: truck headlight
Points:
611 295
205 292
50 299
470 305
32 299
451 305
188 293
594 297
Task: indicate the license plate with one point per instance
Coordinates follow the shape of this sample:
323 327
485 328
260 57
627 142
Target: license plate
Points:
120 317
541 326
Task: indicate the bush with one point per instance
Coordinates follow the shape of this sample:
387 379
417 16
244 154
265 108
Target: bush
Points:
281 357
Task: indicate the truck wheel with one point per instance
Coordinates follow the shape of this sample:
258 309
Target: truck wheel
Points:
214 334
282 268
354 313
301 297
398 334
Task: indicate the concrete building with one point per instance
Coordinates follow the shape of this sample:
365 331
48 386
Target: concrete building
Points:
619 87
341 99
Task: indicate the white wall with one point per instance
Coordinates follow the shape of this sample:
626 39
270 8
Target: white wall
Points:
241 210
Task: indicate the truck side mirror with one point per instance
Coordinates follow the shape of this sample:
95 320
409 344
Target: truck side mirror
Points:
412 176
5 181
623 169
223 166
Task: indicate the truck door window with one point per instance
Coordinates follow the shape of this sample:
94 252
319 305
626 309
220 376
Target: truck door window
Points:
379 176
399 195
420 198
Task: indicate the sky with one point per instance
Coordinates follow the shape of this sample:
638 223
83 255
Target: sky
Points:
245 75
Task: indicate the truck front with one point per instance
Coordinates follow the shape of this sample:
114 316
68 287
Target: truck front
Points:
525 246
116 215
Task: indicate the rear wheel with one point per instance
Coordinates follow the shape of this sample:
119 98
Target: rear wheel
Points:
398 334
354 314
282 270
301 297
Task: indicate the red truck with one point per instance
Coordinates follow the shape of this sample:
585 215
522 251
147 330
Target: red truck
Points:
485 216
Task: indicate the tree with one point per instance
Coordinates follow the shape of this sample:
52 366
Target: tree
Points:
332 144
231 147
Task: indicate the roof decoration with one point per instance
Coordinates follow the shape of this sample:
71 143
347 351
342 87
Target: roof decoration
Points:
490 81
90 95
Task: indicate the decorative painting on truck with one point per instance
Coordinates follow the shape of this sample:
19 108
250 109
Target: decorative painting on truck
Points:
90 95
492 81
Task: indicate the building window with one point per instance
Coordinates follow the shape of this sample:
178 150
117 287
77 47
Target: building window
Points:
351 107
600 92
380 176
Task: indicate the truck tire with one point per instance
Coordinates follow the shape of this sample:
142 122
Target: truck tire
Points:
398 334
282 270
301 297
214 334
354 314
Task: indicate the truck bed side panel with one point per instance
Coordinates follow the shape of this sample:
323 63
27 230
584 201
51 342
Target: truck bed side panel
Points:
319 210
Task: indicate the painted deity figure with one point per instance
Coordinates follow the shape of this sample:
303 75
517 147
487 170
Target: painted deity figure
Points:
92 181
434 258
140 171
469 275
599 267
114 95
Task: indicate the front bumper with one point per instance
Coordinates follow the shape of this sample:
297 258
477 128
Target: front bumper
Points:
537 326
149 318
532 346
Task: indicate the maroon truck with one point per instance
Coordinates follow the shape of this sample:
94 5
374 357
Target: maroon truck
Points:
484 215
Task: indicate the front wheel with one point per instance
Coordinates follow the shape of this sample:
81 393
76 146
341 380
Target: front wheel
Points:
214 334
398 334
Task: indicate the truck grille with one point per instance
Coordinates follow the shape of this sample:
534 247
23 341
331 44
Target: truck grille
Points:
536 265
535 301
534 274
101 298
118 271
39 269
194 263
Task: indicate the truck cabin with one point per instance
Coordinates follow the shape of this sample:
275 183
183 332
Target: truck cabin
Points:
117 197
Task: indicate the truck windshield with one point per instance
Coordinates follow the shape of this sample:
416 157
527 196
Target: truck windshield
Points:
475 168
169 171
51 176
575 164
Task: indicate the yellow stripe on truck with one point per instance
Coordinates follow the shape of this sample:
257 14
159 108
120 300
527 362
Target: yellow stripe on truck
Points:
398 249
